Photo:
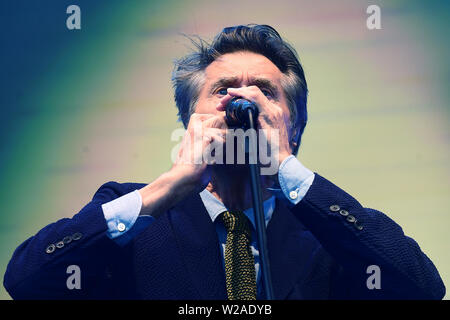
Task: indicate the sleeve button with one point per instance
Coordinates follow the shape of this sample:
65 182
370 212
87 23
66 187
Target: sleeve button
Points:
335 208
50 248
351 219
67 239
60 244
343 213
77 236
358 225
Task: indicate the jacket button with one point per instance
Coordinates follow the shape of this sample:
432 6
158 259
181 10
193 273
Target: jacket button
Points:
60 244
50 248
351 218
335 208
77 236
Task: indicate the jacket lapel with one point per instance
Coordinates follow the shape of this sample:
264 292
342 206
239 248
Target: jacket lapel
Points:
290 248
197 239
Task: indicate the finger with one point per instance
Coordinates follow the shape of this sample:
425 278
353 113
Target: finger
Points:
223 102
196 120
213 148
217 121
201 116
252 93
209 132
221 107
217 138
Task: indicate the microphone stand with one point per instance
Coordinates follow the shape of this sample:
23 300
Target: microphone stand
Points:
259 212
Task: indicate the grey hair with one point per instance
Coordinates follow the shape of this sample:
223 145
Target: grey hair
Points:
188 76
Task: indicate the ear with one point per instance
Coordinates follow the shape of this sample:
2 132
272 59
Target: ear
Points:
293 139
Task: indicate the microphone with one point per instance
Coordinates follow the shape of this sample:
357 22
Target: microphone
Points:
242 113
237 112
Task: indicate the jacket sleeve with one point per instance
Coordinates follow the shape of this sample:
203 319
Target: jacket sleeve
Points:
362 240
39 267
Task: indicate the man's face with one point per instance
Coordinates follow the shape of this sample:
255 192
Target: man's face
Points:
241 69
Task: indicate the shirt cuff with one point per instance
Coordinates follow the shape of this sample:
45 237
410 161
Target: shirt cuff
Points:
294 179
121 217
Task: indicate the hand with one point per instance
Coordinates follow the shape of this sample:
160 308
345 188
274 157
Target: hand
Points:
193 161
190 172
271 117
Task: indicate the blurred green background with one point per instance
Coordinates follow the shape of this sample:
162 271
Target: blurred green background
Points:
83 107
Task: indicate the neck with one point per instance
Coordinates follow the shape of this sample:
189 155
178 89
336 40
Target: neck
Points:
231 185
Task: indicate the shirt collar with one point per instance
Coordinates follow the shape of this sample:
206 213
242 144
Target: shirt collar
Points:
214 207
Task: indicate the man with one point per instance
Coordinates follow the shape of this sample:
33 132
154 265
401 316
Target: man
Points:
190 233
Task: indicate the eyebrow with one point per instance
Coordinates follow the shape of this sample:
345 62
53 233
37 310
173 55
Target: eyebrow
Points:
259 82
265 83
224 82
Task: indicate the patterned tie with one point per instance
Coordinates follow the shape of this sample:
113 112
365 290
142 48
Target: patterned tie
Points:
239 261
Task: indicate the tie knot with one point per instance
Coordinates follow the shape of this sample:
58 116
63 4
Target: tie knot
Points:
236 222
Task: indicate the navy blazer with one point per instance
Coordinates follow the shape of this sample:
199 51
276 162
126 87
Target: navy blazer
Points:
315 250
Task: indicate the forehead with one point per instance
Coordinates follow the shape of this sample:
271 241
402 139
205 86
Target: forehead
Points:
244 65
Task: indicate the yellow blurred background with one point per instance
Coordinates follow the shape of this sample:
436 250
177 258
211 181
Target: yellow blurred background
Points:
87 106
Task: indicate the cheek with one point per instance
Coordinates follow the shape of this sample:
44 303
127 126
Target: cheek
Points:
206 106
287 120
286 114
283 104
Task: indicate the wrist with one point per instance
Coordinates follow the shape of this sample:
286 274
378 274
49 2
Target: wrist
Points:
294 179
165 192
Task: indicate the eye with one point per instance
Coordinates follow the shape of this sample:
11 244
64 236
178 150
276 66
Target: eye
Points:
267 93
222 91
